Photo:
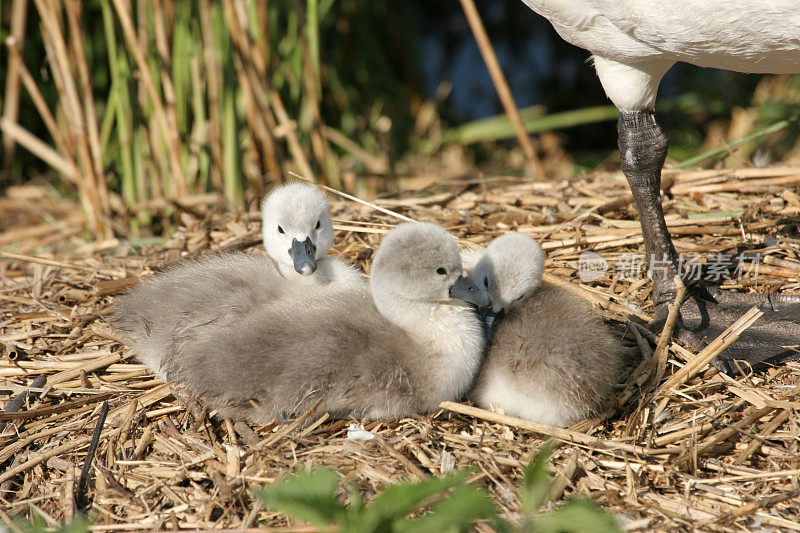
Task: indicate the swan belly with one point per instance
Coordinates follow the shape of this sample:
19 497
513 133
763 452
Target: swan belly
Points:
738 35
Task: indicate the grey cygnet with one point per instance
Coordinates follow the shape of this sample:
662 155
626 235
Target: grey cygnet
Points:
401 350
552 360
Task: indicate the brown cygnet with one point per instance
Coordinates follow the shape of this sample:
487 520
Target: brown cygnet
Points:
551 360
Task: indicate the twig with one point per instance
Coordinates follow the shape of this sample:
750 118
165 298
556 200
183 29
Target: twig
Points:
61 264
562 479
19 399
397 454
359 200
53 452
94 364
60 408
565 435
272 439
659 360
770 428
80 493
501 85
766 502
144 442
721 436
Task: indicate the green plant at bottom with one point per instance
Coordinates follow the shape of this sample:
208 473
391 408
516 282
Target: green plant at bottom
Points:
439 504
37 524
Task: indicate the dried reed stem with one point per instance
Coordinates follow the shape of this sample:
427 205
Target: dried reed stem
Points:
659 361
40 150
58 58
19 399
501 85
73 8
256 76
564 435
62 264
171 136
41 105
11 100
359 200
213 72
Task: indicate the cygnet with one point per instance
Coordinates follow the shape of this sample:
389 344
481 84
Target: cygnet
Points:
409 345
215 290
552 360
297 230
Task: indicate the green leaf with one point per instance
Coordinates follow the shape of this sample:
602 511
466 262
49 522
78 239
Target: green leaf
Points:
403 498
307 496
397 501
37 524
79 524
535 483
456 513
577 516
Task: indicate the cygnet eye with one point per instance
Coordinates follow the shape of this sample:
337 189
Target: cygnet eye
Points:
280 230
318 225
441 270
486 282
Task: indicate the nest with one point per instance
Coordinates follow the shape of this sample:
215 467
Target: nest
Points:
709 451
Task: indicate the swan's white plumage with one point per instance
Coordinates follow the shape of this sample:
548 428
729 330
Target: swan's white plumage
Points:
638 40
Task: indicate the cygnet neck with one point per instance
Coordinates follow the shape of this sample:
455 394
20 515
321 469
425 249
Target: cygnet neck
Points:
449 331
399 310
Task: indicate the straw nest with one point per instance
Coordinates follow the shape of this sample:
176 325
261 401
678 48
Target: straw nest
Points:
707 451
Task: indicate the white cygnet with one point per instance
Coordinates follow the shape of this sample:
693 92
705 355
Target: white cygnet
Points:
409 345
551 360
215 290
297 231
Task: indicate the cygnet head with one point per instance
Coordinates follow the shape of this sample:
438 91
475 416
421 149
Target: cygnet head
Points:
297 227
419 262
510 270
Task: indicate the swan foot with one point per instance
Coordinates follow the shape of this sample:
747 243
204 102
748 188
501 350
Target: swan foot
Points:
772 340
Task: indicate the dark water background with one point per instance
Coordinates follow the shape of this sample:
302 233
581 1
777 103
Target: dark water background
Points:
542 68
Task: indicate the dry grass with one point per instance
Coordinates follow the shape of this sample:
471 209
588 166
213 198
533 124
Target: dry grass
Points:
712 452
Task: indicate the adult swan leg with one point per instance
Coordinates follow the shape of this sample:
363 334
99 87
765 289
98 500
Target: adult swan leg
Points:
634 42
707 311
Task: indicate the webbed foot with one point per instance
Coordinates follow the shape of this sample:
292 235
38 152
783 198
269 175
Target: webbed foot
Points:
772 340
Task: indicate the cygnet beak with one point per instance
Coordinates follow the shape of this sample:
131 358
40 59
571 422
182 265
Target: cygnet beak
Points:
464 289
303 255
489 316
